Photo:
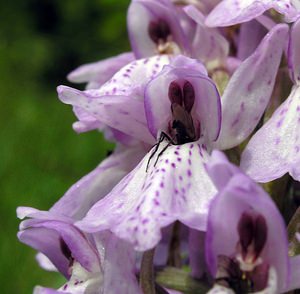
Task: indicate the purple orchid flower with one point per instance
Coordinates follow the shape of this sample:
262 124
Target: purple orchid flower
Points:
274 149
172 187
161 27
230 12
145 201
248 252
92 263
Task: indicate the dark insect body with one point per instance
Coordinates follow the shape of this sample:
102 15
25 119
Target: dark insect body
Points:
181 129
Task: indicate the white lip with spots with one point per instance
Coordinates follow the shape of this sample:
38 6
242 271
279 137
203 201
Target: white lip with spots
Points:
176 188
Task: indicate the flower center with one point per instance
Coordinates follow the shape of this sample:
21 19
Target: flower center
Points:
246 271
160 33
182 97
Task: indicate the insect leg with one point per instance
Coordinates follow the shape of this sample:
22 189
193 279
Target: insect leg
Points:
163 135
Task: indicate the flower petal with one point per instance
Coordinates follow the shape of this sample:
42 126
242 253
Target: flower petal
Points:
219 170
230 12
293 52
242 194
119 103
97 73
45 263
208 44
45 235
250 35
47 242
275 148
249 90
177 188
119 264
207 108
86 192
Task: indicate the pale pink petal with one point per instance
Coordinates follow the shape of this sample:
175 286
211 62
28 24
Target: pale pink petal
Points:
275 148
249 89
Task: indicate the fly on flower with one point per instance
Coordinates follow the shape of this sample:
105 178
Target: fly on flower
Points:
181 128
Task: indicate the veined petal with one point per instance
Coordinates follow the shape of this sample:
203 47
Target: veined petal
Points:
47 242
94 186
121 112
45 236
275 148
239 195
249 89
250 35
207 107
141 13
119 264
119 103
176 188
98 73
293 52
230 12
208 44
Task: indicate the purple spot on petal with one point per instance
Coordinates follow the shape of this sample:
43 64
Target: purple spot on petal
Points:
173 165
161 185
178 159
189 173
145 220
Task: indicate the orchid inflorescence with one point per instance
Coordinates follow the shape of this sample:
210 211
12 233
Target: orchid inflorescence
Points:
203 77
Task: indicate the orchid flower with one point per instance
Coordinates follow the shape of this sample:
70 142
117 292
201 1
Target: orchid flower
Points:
246 249
191 98
274 149
145 201
230 12
92 263
161 27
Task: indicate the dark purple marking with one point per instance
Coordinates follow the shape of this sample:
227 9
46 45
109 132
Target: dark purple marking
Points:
145 220
188 96
156 202
161 185
189 173
175 93
173 165
159 30
178 159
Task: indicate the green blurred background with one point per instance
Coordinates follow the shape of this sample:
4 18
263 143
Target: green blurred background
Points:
40 154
